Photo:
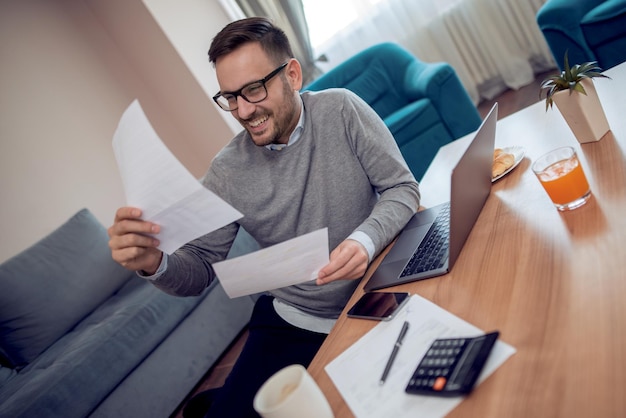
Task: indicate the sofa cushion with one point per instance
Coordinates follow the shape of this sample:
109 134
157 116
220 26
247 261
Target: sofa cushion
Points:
420 112
79 370
51 286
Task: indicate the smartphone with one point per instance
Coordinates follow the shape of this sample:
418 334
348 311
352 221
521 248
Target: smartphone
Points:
379 306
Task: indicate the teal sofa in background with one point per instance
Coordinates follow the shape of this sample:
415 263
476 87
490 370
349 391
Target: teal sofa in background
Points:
424 105
589 30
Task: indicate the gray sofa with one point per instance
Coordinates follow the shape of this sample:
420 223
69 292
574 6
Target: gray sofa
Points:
81 336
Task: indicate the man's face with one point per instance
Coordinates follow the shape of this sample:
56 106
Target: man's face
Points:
273 119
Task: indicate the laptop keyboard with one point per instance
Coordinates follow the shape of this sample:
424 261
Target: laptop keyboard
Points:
433 250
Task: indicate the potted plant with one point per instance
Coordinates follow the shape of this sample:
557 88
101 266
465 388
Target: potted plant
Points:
575 96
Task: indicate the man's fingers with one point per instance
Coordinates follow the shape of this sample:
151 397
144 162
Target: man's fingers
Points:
130 240
136 258
348 261
127 212
128 219
353 269
337 260
132 226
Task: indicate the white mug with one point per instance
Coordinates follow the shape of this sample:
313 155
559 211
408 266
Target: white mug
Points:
291 392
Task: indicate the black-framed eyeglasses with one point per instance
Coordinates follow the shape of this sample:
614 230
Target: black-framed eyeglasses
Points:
254 92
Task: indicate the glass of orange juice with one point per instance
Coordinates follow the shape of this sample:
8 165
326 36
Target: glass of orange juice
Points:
562 176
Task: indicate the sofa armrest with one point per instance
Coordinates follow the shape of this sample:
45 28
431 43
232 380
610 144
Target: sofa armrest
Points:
424 80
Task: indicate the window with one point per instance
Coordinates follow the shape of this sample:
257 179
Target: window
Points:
327 17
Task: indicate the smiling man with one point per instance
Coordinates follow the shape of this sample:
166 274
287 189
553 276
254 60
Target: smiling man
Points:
304 161
272 121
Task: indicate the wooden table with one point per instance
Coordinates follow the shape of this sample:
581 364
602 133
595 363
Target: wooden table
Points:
552 283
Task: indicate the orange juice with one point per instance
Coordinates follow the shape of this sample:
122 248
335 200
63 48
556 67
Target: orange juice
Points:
564 181
562 176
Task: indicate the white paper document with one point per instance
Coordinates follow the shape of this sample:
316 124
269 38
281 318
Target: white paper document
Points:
295 261
357 371
157 183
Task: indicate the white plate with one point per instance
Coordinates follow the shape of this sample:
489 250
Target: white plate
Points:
518 154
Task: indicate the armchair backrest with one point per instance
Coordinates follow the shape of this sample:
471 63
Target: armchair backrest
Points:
376 74
559 20
424 105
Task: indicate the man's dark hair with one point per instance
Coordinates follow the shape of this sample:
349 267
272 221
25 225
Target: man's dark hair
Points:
254 29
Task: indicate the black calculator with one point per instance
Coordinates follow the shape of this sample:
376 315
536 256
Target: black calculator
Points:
451 366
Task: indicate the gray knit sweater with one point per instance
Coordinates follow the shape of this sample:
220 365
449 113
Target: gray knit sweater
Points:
345 173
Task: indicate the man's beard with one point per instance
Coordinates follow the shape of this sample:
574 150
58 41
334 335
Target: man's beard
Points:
280 119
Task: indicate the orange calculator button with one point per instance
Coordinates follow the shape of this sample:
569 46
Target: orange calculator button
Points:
440 383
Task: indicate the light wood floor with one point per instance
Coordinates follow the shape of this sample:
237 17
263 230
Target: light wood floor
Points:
508 102
513 100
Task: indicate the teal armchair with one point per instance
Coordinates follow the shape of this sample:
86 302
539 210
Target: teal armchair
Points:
424 105
590 30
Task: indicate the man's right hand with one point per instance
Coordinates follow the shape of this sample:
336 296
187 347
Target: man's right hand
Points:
130 244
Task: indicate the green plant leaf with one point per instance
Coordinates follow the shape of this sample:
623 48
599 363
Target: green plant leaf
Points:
569 79
579 88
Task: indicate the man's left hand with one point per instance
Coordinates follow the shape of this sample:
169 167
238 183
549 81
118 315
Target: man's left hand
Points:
347 262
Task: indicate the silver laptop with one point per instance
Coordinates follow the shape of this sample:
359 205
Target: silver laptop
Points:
430 243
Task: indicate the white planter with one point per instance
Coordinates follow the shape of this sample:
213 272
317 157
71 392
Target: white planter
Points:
583 113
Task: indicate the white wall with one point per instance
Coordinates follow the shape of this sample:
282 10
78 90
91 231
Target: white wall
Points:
68 69
185 24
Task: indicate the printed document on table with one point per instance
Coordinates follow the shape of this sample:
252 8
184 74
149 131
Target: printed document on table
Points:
157 183
356 372
295 261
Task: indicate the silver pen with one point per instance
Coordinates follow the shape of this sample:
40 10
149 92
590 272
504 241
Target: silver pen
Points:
394 352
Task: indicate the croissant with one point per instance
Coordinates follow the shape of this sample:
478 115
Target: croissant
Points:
502 161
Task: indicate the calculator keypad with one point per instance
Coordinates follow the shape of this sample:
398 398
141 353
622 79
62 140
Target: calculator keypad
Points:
451 365
434 370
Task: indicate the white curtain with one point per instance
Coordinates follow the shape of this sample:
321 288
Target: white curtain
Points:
492 44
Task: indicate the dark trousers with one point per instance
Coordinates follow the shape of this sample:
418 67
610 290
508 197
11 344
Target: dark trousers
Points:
271 345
